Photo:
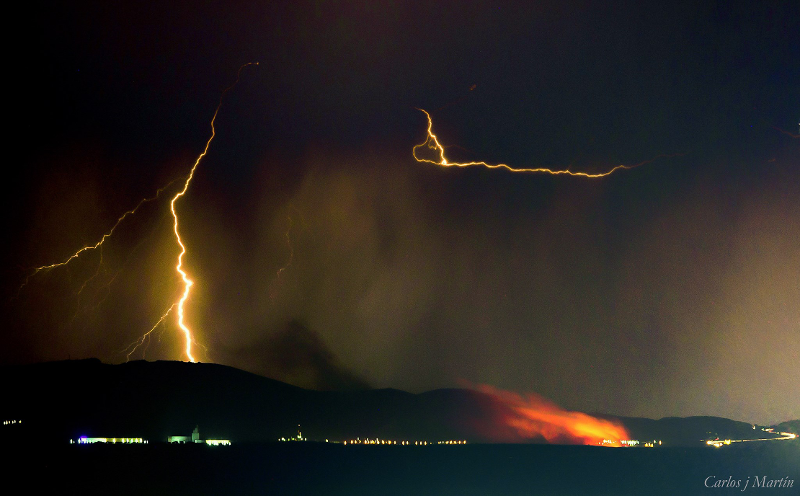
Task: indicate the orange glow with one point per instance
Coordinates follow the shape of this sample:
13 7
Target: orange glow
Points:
531 417
432 143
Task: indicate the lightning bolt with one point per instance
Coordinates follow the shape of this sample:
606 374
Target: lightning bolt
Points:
289 245
180 304
432 143
139 342
787 133
288 261
187 282
96 246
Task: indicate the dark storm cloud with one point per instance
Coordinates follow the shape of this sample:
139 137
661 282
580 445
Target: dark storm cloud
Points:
573 302
655 291
297 355
361 271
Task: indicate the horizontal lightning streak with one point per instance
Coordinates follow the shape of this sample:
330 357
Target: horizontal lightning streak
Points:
787 133
432 143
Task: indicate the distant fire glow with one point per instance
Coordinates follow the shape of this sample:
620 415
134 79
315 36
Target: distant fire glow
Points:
532 417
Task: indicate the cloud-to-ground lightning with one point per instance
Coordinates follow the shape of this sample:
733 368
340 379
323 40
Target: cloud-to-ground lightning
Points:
187 282
433 144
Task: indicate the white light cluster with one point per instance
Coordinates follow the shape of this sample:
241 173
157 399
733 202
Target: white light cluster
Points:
113 440
401 443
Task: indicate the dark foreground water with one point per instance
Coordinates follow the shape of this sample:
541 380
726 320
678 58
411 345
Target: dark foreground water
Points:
310 468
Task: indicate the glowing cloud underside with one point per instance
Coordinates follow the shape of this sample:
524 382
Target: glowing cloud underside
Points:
432 143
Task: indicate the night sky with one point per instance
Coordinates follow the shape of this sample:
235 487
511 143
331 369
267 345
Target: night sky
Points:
669 289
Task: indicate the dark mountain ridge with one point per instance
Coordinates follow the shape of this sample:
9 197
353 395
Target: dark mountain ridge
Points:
64 400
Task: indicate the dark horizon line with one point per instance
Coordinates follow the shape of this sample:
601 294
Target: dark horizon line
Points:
594 414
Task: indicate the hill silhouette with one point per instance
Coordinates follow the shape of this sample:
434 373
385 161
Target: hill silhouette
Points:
153 400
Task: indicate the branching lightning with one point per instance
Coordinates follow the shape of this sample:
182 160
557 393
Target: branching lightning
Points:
139 342
96 246
187 282
432 143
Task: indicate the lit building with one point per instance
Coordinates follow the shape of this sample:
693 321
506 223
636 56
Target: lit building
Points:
217 442
194 438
